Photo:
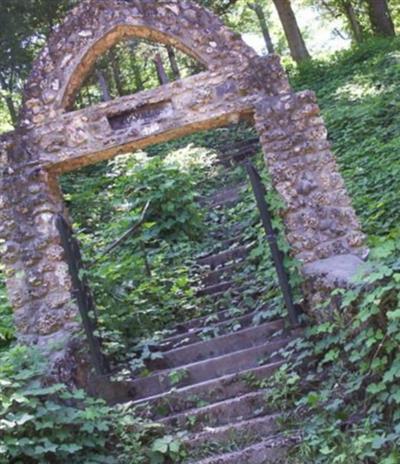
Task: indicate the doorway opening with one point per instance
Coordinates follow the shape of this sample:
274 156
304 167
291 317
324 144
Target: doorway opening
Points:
199 251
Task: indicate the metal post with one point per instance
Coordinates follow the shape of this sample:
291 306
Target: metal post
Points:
82 294
277 255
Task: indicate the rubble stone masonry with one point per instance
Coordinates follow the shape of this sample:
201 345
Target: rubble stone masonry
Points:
51 139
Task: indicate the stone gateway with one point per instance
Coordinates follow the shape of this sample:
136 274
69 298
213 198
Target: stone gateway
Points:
51 139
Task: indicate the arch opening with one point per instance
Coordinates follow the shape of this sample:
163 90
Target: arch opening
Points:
177 177
131 65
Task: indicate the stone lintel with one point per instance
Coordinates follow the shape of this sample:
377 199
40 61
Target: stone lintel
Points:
79 138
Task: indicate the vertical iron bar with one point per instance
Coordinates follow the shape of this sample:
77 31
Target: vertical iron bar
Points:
82 295
277 255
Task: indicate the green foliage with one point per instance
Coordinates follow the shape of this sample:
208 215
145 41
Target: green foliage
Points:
146 284
167 447
343 376
340 382
6 322
358 94
146 280
169 188
24 27
177 376
41 423
50 423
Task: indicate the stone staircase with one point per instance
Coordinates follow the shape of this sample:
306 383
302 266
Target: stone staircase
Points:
207 381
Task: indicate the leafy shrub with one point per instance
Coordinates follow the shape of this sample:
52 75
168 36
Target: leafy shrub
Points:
41 424
170 189
346 373
144 284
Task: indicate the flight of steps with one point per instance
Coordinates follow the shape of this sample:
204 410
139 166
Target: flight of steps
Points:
209 385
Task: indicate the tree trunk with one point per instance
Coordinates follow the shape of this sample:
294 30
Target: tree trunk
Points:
103 86
354 23
296 43
162 75
380 18
12 110
257 8
137 76
116 73
174 64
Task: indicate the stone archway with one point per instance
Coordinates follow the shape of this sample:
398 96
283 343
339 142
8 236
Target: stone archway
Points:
50 140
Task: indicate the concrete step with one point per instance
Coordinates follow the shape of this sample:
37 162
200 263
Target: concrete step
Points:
218 346
226 197
228 242
220 287
246 432
236 291
261 453
217 414
208 369
227 230
234 296
212 326
204 393
204 321
215 277
224 257
215 318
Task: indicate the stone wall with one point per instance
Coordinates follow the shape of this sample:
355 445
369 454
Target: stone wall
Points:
319 219
38 281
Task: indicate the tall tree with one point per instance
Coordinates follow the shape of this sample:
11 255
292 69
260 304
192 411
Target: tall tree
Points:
296 43
106 96
352 20
258 9
220 7
380 18
116 71
349 10
134 66
161 73
173 62
24 26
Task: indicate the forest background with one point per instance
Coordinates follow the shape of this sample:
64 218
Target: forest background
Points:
346 51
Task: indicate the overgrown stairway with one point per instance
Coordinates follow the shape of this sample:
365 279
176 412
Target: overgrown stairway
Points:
206 386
